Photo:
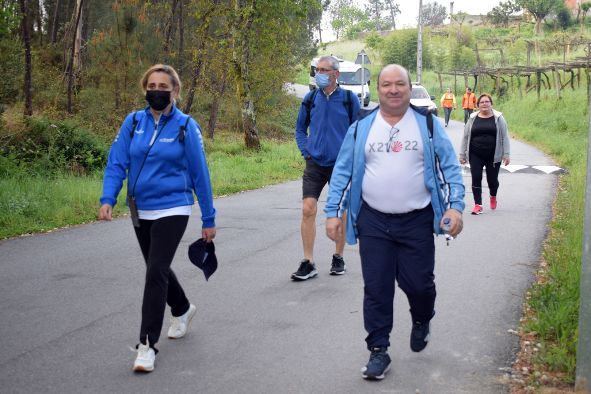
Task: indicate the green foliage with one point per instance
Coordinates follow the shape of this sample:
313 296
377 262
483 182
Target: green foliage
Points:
433 14
9 19
48 147
499 15
539 9
11 62
461 36
461 58
374 40
349 20
401 47
564 17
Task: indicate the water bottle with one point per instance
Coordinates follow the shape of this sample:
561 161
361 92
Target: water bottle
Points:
446 227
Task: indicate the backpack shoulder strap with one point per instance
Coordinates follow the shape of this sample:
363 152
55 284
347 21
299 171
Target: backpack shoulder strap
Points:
430 122
134 124
348 104
183 130
428 115
309 104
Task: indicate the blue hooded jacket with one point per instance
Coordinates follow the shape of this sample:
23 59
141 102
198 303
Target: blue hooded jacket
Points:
329 121
169 173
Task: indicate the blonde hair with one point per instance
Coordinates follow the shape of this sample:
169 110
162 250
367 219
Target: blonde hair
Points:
163 68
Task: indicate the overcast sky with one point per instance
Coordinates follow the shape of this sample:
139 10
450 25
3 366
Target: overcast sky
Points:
409 11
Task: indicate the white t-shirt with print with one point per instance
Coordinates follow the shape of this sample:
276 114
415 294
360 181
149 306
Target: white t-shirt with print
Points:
394 181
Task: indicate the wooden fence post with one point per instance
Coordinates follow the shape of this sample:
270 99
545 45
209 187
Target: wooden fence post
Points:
538 82
556 82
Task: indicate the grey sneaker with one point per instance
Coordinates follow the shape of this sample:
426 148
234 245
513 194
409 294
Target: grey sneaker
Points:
338 266
306 270
378 365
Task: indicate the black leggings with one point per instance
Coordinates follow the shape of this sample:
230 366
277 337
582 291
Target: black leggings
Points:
492 176
158 241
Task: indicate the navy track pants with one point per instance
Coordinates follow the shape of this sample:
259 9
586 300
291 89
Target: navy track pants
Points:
395 248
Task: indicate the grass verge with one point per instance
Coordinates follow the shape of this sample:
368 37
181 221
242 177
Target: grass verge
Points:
549 330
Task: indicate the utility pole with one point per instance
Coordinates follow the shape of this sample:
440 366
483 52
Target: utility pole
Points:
583 374
420 44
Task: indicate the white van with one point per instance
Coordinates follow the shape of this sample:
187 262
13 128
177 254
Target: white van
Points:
349 78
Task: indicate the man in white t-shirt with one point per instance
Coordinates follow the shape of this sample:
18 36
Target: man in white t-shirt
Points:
405 185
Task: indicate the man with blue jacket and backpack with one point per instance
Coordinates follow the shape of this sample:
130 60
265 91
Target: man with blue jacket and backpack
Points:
325 115
404 184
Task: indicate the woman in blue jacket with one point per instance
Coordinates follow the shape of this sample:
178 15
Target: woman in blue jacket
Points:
160 151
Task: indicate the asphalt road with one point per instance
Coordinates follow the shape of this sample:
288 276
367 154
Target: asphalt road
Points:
71 299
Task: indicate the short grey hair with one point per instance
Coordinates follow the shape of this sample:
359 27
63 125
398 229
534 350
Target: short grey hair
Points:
334 63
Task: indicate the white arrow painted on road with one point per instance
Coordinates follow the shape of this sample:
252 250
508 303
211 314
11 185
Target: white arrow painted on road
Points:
547 169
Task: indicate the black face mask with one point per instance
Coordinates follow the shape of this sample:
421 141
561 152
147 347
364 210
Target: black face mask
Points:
158 99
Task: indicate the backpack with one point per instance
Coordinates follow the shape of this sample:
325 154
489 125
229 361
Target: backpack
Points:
182 129
309 104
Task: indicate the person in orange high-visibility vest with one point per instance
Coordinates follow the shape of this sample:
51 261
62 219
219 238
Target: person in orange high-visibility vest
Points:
468 104
448 102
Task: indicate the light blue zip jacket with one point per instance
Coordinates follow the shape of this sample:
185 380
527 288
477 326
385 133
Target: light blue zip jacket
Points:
169 174
443 177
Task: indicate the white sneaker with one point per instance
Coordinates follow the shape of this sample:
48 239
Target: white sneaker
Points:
146 356
179 325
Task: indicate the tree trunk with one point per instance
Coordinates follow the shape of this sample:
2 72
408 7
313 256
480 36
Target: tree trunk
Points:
215 105
181 36
27 85
169 28
71 61
195 76
78 37
538 26
55 22
241 59
205 35
393 18
38 23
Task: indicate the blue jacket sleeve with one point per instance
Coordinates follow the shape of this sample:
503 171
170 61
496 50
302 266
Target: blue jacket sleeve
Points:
341 175
117 163
450 167
301 132
199 173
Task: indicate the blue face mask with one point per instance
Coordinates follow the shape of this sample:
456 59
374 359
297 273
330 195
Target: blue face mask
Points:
322 80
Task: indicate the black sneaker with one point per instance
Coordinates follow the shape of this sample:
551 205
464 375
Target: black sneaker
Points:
338 266
378 364
419 336
307 270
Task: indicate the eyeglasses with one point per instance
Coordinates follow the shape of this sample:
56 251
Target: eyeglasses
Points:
393 133
324 70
